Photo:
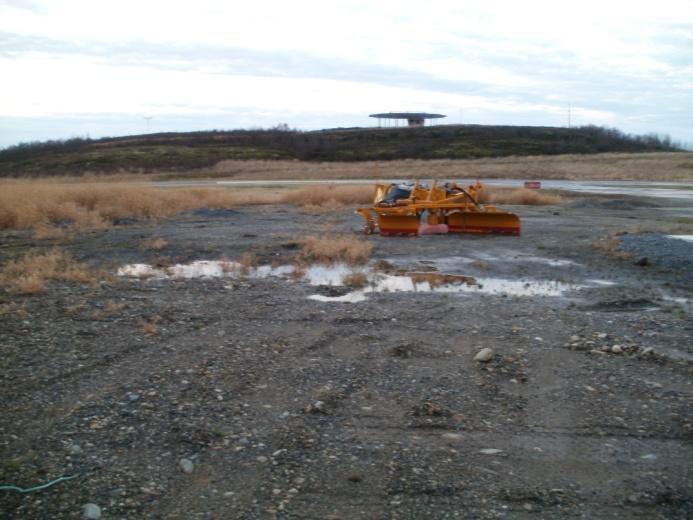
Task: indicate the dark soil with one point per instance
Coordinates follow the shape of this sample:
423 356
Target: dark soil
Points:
295 408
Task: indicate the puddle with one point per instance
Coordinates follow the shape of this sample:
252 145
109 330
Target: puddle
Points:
368 279
352 297
603 283
204 269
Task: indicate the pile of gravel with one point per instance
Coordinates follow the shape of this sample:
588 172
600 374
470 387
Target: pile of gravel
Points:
660 250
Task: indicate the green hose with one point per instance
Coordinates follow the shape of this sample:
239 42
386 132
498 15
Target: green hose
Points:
36 488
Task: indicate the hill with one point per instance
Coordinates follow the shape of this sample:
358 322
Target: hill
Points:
195 150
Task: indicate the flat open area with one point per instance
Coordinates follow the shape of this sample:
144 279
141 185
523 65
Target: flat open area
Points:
246 387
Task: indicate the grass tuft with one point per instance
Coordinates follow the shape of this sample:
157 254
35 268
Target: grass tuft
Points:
150 327
29 275
355 280
332 249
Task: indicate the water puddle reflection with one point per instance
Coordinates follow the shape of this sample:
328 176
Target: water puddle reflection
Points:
358 283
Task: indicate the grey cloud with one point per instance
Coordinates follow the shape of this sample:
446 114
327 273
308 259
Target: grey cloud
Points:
558 73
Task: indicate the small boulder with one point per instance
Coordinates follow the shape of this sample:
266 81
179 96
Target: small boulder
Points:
91 512
186 465
484 355
617 349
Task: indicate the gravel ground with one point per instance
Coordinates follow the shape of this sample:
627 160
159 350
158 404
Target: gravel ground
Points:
253 401
662 251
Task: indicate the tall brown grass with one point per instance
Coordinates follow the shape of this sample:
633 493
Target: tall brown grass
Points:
42 205
519 196
38 204
321 198
30 273
331 249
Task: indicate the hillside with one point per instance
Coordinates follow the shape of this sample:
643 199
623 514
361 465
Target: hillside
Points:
195 150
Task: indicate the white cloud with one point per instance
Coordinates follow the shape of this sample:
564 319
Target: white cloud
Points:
522 60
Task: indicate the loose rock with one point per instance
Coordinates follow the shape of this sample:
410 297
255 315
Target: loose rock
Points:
186 465
91 512
484 355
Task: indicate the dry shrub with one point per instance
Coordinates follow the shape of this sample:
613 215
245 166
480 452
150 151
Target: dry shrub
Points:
331 249
356 280
13 308
156 243
29 274
49 233
611 245
298 273
150 327
519 196
384 266
110 308
246 262
480 265
74 310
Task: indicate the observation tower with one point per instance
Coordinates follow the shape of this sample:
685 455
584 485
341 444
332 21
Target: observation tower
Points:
414 119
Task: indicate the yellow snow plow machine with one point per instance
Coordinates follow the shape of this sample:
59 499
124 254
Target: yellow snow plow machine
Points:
417 209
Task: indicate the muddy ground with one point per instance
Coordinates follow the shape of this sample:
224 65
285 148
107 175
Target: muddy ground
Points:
290 407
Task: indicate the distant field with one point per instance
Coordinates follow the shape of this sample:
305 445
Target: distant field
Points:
676 166
184 152
669 166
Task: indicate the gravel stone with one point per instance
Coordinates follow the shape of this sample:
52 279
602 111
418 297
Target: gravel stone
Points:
484 355
91 512
186 465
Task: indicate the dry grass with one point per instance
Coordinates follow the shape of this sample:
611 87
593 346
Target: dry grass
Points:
44 205
50 233
323 198
49 205
355 280
13 308
666 166
330 249
109 309
30 274
246 262
611 245
519 196
39 204
155 243
149 327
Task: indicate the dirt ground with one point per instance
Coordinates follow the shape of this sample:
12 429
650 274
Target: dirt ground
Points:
250 400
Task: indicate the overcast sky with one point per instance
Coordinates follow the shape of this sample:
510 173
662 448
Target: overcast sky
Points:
99 67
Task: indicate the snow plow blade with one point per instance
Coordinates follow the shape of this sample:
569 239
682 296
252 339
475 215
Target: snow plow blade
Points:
493 222
398 224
